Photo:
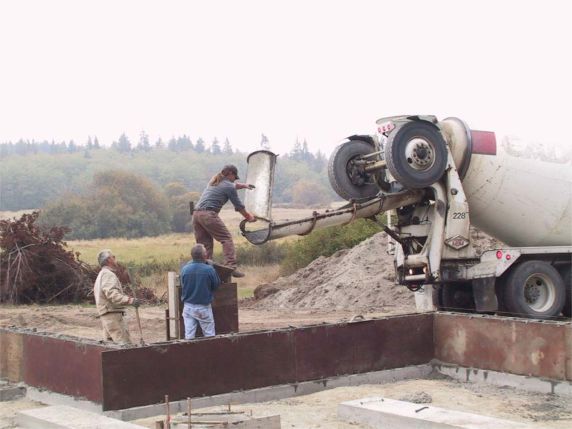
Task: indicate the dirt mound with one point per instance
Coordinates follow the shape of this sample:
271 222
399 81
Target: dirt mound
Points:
357 279
361 278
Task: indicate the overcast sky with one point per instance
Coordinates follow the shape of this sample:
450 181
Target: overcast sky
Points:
314 70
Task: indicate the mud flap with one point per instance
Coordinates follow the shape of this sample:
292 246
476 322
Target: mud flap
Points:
427 298
484 294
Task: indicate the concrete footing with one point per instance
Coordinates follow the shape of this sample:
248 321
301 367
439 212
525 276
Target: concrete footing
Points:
276 392
530 384
386 413
9 392
64 417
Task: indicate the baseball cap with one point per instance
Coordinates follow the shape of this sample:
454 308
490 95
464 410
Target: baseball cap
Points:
230 169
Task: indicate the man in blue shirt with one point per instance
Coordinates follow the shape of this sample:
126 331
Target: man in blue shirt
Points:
199 281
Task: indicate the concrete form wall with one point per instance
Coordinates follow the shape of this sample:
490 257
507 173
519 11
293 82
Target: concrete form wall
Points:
122 378
56 364
517 346
210 366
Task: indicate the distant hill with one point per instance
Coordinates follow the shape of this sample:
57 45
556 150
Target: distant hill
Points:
32 175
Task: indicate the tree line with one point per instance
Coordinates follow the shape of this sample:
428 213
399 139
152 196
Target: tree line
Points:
40 179
299 152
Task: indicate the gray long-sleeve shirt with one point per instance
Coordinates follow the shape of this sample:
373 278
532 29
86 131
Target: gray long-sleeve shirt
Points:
214 197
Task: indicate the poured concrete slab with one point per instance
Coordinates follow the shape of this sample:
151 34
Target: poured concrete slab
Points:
378 412
64 417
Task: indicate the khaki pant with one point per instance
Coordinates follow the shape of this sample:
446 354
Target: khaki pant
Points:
208 225
115 328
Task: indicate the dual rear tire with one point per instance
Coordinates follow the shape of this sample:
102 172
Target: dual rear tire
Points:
535 289
532 289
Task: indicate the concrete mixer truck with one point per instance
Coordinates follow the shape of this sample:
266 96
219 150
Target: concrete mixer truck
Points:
441 177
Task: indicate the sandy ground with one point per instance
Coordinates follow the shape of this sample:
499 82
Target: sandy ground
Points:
319 410
80 320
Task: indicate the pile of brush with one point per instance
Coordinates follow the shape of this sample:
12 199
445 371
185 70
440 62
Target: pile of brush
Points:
35 266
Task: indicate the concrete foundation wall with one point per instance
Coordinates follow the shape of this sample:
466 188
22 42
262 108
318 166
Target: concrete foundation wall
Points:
120 378
517 346
223 364
60 365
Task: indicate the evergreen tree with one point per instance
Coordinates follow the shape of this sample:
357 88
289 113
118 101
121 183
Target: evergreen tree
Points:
89 145
296 152
172 144
159 144
227 148
72 147
123 145
184 143
144 144
200 145
96 143
215 147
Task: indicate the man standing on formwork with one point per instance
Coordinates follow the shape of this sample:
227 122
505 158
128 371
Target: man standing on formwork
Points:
199 280
207 224
110 300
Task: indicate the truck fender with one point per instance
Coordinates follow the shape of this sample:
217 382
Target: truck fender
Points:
365 138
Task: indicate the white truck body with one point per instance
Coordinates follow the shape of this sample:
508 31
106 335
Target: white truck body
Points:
442 177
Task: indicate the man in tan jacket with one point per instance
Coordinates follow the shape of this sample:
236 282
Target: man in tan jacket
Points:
110 300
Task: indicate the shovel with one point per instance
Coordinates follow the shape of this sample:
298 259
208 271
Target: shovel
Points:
141 341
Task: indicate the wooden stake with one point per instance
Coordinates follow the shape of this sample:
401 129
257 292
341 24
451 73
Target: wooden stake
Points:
168 413
189 411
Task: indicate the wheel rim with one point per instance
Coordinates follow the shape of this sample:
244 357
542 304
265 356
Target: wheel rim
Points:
539 292
420 154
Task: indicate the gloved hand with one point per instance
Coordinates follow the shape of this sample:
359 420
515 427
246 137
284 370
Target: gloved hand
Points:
239 186
250 218
136 302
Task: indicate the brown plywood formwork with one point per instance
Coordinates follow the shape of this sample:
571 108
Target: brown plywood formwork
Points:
68 367
225 311
517 346
62 365
246 361
127 377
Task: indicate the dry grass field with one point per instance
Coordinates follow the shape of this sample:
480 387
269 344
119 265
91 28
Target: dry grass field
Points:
176 248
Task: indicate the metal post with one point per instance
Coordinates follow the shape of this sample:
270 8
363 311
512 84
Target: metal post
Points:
167 325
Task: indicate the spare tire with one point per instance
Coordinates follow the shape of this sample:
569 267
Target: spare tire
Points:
416 154
346 180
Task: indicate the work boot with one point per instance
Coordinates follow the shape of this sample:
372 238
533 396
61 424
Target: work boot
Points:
237 273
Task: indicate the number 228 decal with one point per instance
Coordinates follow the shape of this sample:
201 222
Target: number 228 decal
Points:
460 215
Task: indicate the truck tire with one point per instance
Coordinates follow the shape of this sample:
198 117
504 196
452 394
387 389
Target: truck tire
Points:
345 179
416 155
567 310
534 289
457 297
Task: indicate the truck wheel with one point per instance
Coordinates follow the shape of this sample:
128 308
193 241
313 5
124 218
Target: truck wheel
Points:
457 297
534 289
345 177
416 155
567 310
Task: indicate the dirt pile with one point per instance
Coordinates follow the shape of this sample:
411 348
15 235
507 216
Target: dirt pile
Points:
357 279
361 278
